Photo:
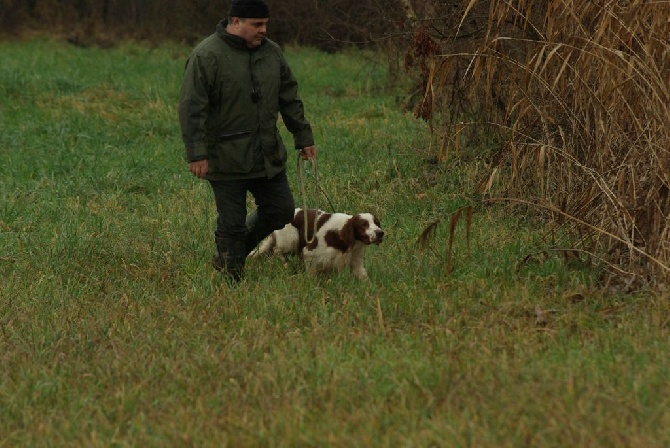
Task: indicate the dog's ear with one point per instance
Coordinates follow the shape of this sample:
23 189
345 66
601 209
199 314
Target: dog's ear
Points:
348 232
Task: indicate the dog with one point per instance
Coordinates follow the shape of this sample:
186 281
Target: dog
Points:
339 242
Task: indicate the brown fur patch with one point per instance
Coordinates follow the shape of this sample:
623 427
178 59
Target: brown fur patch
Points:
348 233
334 239
311 216
360 229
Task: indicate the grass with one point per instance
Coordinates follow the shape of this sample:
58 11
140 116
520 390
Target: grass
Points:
114 330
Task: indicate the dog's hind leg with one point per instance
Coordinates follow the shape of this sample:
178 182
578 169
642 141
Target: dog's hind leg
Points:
266 247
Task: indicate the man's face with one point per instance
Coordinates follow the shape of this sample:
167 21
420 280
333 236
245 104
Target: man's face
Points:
251 30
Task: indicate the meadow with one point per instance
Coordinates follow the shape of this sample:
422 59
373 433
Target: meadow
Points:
115 331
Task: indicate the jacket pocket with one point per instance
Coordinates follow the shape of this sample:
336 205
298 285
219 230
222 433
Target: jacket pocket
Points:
234 153
226 137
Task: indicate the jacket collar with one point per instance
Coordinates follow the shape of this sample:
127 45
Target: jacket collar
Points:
232 40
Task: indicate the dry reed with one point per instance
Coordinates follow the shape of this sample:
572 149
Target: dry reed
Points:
579 95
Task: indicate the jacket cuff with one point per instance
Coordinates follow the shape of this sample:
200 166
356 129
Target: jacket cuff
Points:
196 152
303 139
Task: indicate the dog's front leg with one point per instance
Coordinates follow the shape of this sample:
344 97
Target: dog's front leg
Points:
357 268
310 262
359 272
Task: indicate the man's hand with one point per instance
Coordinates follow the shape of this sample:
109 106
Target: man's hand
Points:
308 153
198 168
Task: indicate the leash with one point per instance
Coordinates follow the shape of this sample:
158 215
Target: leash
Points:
301 186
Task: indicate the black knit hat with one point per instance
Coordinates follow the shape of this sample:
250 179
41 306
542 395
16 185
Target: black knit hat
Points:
255 9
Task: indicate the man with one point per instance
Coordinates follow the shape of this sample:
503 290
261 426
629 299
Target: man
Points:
235 85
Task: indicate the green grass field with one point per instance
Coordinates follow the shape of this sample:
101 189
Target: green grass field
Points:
115 331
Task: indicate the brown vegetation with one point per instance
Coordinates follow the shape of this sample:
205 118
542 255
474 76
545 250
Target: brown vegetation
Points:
578 96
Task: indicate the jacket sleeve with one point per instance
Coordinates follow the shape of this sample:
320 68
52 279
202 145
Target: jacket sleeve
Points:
292 109
194 107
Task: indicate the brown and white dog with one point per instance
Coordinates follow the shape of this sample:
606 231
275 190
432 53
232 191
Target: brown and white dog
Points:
339 242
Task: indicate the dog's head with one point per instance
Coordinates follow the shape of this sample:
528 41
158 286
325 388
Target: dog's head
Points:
363 227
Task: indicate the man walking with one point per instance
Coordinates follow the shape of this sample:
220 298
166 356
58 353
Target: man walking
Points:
236 83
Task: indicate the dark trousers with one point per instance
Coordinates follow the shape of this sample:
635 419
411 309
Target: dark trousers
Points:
274 208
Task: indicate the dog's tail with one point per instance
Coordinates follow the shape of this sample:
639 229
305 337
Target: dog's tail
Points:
265 247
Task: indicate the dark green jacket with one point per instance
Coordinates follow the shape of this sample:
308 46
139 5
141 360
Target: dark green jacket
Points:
229 104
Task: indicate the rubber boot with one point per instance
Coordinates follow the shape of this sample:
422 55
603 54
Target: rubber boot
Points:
230 257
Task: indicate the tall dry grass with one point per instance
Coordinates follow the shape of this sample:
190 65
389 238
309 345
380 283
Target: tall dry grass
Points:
578 94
